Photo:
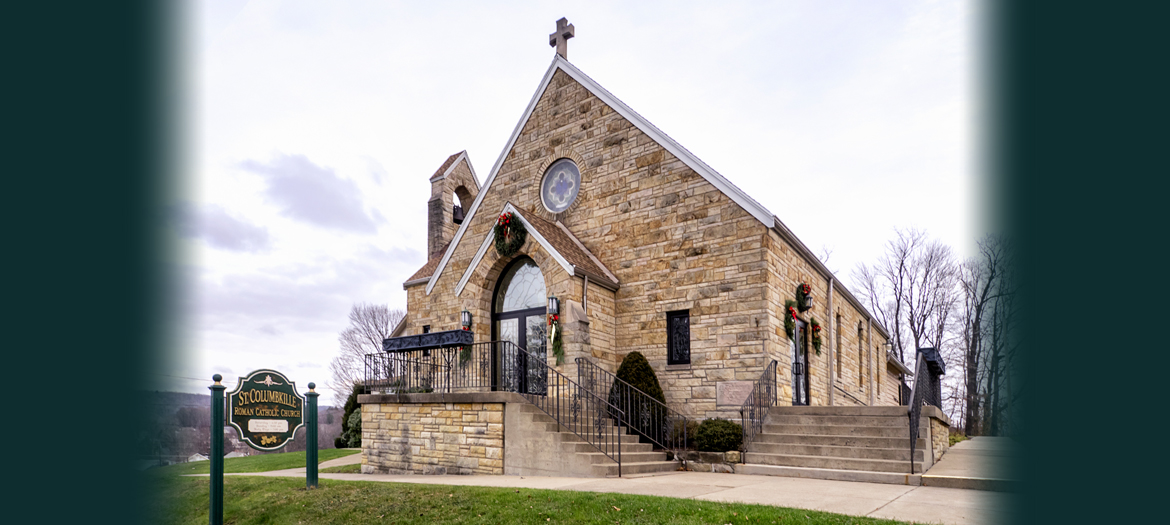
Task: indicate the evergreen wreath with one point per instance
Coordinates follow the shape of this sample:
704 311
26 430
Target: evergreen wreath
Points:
816 335
802 292
554 333
510 235
790 319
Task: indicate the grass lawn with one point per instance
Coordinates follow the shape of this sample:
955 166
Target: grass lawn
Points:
355 468
263 463
183 500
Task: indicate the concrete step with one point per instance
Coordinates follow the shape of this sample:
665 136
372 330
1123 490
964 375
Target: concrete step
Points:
627 457
581 446
570 437
836 463
839 411
963 482
860 421
833 474
895 454
841 441
840 430
611 469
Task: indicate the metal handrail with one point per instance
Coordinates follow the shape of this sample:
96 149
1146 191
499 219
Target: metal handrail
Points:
644 414
502 366
922 392
755 407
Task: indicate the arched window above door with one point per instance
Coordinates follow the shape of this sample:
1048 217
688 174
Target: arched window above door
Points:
521 288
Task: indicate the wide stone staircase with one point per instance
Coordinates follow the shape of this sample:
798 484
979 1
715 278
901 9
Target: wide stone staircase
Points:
585 460
870 444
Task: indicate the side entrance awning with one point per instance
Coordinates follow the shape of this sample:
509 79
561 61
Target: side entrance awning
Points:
426 341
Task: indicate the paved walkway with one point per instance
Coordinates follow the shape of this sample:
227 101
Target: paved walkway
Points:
900 502
976 463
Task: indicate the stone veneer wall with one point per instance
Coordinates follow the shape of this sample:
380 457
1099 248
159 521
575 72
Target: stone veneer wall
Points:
433 438
939 437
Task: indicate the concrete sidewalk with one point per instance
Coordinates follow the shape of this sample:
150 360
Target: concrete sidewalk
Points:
978 463
877 500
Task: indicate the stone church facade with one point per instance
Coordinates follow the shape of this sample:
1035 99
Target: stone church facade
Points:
648 249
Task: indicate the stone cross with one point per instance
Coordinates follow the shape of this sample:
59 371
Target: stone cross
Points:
560 39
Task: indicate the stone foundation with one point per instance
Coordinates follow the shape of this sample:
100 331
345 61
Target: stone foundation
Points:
438 437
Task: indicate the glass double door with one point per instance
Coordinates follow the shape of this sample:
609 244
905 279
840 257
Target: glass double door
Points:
520 371
799 366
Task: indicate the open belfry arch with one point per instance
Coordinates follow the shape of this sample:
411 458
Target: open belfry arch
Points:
640 246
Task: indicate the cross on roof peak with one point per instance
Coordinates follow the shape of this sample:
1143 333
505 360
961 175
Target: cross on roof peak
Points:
560 39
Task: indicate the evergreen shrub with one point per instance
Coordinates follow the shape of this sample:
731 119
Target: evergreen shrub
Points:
349 438
718 435
636 371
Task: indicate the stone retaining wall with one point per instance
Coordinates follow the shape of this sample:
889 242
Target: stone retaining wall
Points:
432 438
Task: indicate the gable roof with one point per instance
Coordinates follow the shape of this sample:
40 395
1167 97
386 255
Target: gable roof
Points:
558 241
733 192
450 164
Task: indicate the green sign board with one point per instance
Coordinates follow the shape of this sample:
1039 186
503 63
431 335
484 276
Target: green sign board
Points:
266 410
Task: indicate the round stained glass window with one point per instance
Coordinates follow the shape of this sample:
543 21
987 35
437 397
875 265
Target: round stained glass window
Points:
561 183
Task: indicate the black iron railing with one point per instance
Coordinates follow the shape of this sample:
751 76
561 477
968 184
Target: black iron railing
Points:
504 367
644 415
926 391
755 408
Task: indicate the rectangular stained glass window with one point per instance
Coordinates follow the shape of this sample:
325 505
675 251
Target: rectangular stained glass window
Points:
678 337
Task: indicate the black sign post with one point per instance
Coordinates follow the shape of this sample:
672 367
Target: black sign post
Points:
266 410
311 439
216 503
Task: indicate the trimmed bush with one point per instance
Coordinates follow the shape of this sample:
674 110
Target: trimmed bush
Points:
351 437
718 435
636 371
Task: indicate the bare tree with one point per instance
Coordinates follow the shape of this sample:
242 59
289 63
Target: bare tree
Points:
369 324
980 281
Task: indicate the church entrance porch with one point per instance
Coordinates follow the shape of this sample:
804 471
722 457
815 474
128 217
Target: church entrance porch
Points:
518 316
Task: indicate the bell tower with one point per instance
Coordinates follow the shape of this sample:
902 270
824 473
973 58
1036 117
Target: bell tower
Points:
453 188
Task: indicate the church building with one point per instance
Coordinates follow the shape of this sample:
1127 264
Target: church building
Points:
635 244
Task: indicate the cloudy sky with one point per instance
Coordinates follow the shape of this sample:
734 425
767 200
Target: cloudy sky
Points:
310 129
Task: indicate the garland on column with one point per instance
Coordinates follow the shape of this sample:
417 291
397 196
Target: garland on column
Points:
554 333
510 235
816 335
465 352
790 319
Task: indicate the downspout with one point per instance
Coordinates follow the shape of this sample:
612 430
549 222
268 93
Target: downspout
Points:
869 353
833 339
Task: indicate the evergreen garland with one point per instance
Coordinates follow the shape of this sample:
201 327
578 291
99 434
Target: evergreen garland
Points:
510 235
554 333
464 352
790 319
802 291
816 335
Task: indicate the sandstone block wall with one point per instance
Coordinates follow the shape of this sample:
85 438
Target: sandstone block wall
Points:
939 437
433 438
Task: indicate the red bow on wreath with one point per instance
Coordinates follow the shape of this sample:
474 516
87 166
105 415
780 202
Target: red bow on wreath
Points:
792 311
805 289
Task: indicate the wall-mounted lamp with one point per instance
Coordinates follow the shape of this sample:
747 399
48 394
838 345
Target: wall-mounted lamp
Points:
465 319
807 302
554 305
889 348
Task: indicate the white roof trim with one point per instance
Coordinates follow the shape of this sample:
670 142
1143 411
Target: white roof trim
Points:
737 195
461 158
468 214
560 259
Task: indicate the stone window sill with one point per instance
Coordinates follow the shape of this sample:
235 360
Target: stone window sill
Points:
674 368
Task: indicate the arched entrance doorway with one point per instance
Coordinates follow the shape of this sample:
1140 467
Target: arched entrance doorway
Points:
518 316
